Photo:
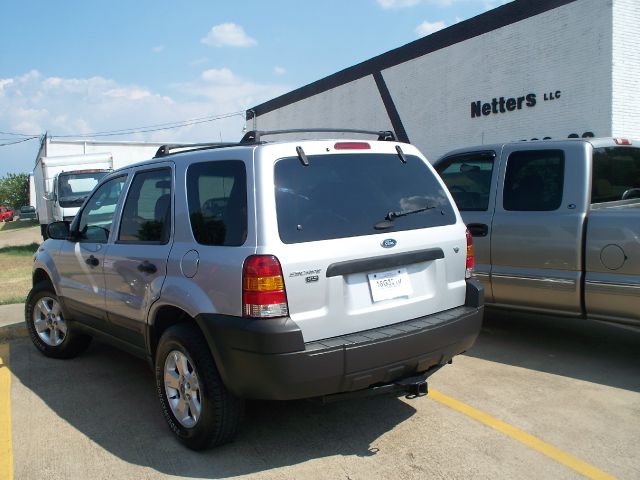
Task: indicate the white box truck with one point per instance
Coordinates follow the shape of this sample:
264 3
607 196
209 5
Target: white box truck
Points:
67 170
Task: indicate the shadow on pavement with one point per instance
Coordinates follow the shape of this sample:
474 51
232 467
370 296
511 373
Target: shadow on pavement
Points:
110 397
576 348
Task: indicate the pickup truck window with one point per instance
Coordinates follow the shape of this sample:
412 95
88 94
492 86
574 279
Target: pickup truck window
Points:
468 178
616 174
97 216
534 181
146 215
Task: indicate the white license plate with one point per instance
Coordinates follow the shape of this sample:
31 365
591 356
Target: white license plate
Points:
390 284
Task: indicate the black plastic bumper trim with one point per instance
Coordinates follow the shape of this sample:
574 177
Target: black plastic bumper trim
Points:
385 262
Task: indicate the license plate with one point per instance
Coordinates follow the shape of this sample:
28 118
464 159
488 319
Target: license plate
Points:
390 284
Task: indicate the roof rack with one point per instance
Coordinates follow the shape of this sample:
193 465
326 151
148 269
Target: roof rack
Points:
254 136
165 150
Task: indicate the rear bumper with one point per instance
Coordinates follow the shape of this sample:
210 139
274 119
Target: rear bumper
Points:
267 359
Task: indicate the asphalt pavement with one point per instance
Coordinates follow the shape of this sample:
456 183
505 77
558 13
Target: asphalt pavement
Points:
543 398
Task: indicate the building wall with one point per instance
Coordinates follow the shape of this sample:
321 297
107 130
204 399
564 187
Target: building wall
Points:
565 50
354 105
580 60
626 69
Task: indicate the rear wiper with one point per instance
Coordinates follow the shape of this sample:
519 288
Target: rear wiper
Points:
391 215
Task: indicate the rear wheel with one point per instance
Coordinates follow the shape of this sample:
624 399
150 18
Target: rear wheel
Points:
197 406
48 328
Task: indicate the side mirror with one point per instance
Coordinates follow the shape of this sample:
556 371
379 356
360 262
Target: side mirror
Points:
58 230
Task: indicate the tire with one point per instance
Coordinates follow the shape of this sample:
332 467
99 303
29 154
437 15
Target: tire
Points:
189 386
48 329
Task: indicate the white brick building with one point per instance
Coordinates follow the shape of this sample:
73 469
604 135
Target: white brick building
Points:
528 69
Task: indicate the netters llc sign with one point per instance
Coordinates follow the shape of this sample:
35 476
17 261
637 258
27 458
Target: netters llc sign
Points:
509 104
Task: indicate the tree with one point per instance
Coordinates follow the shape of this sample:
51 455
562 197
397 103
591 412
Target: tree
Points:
14 190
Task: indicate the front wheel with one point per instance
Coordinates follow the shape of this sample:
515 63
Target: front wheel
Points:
197 406
48 328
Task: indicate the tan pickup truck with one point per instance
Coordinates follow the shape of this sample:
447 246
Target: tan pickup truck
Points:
555 224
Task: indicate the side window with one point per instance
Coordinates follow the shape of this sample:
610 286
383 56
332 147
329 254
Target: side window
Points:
146 217
468 178
217 195
616 174
96 218
534 180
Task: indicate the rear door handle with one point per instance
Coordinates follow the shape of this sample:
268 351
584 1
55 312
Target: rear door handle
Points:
146 267
478 229
92 261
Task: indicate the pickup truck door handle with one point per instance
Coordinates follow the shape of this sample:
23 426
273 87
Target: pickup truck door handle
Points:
92 261
478 229
146 267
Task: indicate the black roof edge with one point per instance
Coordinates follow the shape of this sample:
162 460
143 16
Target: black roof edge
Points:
502 16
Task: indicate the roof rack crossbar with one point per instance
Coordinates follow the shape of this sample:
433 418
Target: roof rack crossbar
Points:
165 150
254 136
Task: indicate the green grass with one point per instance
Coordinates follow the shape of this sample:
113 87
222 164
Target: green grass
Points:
17 225
15 273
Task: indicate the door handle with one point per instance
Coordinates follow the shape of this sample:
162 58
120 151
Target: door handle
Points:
478 229
92 261
146 267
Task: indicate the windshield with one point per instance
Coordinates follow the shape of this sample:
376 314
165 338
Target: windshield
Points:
73 188
616 174
348 195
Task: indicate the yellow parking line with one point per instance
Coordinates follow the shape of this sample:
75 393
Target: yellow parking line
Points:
6 454
550 451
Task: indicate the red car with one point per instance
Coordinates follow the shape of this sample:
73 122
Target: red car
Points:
6 214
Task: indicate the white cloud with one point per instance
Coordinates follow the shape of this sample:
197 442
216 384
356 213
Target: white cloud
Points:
34 103
397 4
158 49
386 4
427 28
279 70
228 35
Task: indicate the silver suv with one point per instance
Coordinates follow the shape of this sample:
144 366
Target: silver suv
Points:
293 269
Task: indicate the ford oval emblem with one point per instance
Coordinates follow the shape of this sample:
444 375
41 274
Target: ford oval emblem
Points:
388 243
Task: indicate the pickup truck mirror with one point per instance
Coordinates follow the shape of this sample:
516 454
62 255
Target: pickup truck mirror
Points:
58 230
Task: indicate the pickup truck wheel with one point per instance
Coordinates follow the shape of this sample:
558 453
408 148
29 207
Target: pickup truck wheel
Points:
197 406
47 326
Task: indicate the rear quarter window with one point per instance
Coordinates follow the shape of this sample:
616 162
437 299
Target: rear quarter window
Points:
616 174
347 195
217 197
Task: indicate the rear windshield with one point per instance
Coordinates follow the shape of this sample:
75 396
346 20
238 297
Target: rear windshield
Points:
616 174
348 195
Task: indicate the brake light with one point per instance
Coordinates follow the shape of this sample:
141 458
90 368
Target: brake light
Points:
469 270
352 146
622 141
263 293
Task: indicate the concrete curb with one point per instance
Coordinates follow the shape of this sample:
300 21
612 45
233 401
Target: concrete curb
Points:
12 324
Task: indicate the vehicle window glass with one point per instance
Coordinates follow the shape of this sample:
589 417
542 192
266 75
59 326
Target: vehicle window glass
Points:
468 178
217 196
348 195
73 188
534 181
146 216
616 174
96 218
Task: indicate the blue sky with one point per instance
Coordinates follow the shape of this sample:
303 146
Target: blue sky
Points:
74 68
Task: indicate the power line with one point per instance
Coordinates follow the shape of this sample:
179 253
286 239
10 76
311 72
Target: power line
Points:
20 134
19 141
154 128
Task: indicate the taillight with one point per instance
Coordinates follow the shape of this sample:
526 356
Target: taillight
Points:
263 294
622 141
469 270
